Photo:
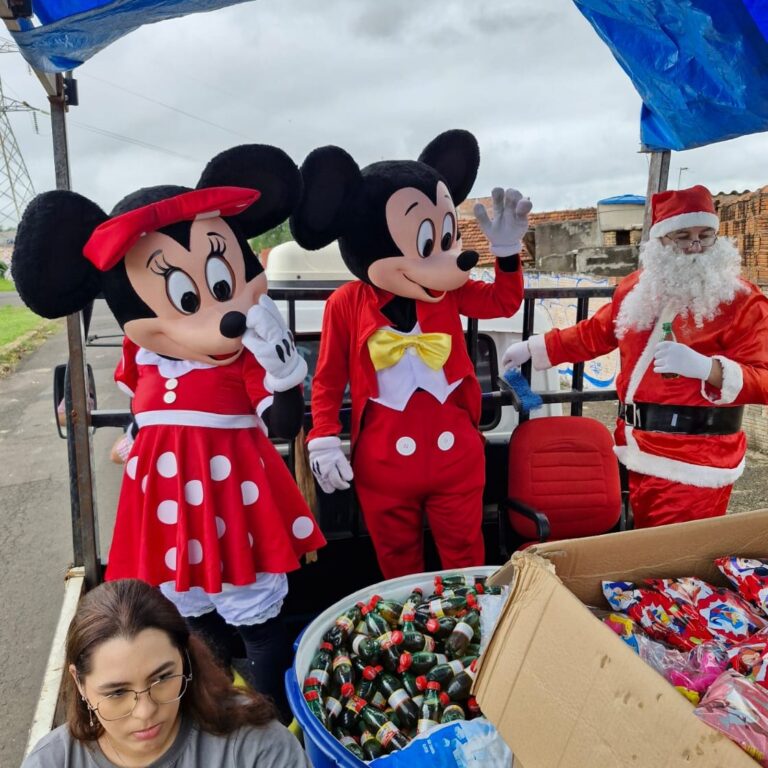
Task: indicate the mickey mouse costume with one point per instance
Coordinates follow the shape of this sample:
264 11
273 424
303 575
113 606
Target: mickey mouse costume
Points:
396 336
207 509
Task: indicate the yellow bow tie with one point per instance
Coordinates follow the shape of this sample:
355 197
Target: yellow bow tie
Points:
387 347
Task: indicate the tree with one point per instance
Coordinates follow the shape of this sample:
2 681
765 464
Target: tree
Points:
280 234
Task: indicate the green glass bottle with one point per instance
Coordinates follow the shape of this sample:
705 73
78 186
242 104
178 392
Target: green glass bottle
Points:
668 335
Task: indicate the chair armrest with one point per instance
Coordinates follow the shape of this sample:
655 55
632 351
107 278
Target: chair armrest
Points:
539 519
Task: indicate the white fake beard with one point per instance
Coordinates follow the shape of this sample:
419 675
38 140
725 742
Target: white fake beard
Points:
692 285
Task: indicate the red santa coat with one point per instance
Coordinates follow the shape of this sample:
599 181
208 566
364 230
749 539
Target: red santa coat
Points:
737 336
353 313
206 499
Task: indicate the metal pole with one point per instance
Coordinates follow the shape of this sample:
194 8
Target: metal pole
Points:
658 179
82 497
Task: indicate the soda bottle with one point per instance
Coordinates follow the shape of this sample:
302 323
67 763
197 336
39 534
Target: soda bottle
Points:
321 664
473 708
366 688
399 700
431 708
456 643
389 654
333 709
370 746
389 609
452 712
414 599
343 625
458 689
439 628
384 730
442 606
473 649
410 684
667 335
364 646
413 640
377 624
419 663
348 742
342 673
315 704
445 672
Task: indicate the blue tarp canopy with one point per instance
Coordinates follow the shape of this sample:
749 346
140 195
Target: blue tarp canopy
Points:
71 31
700 66
623 200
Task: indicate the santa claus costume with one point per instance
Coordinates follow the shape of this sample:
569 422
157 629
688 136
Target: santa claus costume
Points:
679 436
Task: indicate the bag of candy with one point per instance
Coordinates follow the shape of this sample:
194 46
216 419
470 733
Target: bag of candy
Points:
749 576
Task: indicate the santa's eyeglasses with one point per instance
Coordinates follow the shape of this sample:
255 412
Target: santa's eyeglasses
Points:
686 241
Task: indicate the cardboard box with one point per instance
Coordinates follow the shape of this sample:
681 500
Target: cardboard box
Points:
564 690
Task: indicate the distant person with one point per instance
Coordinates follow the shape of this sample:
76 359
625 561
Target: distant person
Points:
693 341
142 691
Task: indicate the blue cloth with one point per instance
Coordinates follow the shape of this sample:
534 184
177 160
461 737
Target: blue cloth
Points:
529 400
72 31
700 66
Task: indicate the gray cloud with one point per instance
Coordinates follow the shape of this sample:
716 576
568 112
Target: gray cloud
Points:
553 112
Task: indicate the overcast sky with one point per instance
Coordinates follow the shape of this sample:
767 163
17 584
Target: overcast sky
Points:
553 112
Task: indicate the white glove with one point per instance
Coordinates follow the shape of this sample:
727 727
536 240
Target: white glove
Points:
515 355
672 357
329 464
510 221
267 336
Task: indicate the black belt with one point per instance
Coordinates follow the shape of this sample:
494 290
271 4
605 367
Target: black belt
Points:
682 419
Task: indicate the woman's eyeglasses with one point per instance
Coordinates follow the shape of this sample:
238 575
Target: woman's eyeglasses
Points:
121 704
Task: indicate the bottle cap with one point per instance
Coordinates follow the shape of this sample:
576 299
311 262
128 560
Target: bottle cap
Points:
312 694
375 599
347 689
445 699
421 682
433 686
370 673
406 659
326 646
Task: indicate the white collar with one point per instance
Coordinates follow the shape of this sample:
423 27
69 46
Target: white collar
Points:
168 369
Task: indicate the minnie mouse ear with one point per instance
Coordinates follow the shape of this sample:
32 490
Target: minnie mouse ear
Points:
456 157
52 276
257 166
331 179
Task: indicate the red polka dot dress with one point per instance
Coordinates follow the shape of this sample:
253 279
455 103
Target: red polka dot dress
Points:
206 499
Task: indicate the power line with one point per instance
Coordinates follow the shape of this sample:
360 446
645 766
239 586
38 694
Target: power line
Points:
168 106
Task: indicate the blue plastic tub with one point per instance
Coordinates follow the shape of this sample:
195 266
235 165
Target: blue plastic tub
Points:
323 749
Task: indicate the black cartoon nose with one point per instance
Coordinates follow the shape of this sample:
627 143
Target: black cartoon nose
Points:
232 325
467 260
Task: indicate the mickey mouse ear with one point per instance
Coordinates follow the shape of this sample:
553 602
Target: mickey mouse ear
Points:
331 179
456 157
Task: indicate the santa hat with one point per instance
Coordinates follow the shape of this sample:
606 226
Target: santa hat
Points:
682 208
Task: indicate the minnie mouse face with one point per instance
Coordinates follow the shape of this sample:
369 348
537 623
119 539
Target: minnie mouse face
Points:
199 296
173 263
395 220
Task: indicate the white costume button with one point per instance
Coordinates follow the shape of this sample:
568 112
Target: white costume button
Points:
193 492
169 397
302 527
170 558
220 468
166 464
144 483
250 540
250 492
405 446
168 512
171 383
221 527
130 467
445 441
195 551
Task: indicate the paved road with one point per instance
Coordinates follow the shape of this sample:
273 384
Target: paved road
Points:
35 531
11 298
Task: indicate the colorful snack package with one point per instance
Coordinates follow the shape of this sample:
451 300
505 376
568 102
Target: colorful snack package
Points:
661 617
727 615
738 708
750 577
691 672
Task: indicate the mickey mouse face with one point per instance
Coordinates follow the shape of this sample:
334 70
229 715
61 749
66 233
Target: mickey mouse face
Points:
199 296
426 235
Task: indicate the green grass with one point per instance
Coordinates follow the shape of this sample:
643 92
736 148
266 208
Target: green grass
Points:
15 322
6 285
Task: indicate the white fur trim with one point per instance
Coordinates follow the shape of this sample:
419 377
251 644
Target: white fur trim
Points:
701 476
539 354
321 443
293 379
264 404
646 358
733 382
168 369
684 221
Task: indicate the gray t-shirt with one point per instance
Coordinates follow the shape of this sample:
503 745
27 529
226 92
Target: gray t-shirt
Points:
268 746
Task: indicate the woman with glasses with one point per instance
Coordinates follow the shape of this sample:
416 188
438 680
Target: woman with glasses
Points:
142 691
692 336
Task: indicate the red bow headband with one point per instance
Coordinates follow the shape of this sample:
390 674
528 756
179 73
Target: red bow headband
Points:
111 240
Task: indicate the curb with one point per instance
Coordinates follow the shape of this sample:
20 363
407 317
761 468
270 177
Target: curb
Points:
18 343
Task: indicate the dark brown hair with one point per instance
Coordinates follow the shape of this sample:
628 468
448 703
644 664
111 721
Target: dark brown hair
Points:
126 607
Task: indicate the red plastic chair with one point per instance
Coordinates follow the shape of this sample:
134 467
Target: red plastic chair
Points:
563 481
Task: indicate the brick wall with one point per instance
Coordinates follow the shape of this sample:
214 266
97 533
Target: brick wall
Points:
744 217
